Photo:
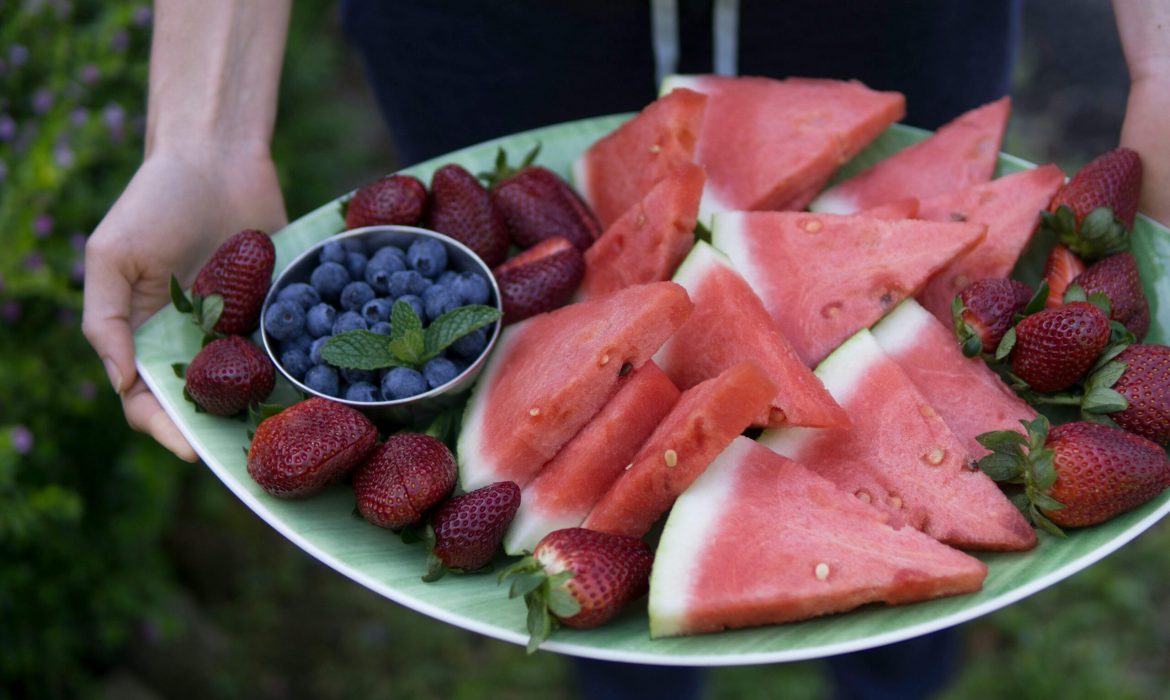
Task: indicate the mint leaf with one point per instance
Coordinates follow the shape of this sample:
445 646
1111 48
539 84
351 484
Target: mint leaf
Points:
403 319
455 324
408 346
359 350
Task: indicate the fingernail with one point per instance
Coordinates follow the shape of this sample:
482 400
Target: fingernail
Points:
113 373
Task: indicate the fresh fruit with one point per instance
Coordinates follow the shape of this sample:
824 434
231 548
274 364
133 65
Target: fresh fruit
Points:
462 208
581 578
466 531
760 539
308 446
1056 347
228 375
960 154
403 478
540 279
1061 268
538 204
284 320
394 199
899 455
1144 383
822 276
229 290
1117 277
1095 211
985 310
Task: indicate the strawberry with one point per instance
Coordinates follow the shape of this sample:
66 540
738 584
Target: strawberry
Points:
1076 474
1139 400
1055 347
538 204
228 375
394 199
463 209
466 531
582 578
1061 268
405 477
1117 277
984 310
230 289
308 446
1094 212
540 279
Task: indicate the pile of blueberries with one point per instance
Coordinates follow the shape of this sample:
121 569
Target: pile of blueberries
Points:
352 289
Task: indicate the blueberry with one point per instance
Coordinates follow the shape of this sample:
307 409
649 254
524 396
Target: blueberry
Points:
376 310
401 382
355 295
378 273
407 282
438 300
439 371
428 256
301 293
471 288
356 264
349 321
471 345
362 391
284 320
415 303
353 376
329 279
447 278
295 362
332 251
319 320
381 328
354 244
301 342
323 379
385 254
315 350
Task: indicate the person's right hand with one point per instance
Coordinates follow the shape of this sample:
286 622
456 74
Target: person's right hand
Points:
179 207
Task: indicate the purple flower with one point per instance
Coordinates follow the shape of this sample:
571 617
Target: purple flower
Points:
42 100
10 312
34 261
18 54
142 16
77 241
42 225
77 271
90 74
87 390
114 117
7 127
121 41
79 116
63 155
22 439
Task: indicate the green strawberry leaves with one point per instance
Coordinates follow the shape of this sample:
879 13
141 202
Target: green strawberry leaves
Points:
204 311
503 170
1099 234
546 596
1028 462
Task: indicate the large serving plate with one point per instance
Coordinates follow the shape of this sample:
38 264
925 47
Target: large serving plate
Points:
325 528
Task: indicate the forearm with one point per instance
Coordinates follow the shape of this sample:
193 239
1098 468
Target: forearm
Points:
214 74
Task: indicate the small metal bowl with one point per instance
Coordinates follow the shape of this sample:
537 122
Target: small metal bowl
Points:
417 409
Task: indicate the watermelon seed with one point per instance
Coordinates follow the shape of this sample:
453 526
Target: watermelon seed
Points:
822 571
895 502
534 412
629 466
670 457
863 496
811 225
604 360
626 369
887 299
831 310
935 456
958 216
927 411
655 148
961 282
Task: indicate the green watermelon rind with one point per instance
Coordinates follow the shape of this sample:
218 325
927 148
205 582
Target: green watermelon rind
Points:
898 329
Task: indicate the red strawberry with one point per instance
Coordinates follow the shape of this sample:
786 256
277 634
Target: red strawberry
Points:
463 209
984 310
394 199
228 375
583 578
1117 277
405 477
540 279
308 446
1055 347
1111 181
1145 384
239 273
467 530
538 205
1060 270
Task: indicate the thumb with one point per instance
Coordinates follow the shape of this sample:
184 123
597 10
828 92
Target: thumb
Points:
105 318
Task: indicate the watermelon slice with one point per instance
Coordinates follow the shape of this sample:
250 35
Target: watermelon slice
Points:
568 487
650 240
1010 207
706 419
617 171
730 325
760 539
773 144
968 395
822 277
552 373
897 209
900 456
960 154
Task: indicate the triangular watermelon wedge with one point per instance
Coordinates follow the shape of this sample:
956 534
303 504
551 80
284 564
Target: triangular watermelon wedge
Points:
760 539
900 456
773 144
647 243
897 209
1010 207
550 374
619 169
730 325
960 154
822 276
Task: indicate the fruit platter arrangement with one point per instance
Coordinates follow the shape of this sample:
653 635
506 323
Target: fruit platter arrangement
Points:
756 374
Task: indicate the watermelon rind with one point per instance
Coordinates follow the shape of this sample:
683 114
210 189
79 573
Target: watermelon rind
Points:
899 328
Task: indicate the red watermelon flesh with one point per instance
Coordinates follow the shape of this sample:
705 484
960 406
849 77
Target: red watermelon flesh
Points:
706 419
960 154
1010 207
900 456
969 396
898 209
822 276
760 539
773 144
568 487
650 240
551 374
617 171
730 325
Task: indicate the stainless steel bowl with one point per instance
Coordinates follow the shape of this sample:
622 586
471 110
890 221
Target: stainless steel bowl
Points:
416 409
